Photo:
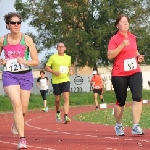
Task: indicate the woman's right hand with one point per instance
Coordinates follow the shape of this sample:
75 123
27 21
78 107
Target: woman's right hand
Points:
125 43
3 61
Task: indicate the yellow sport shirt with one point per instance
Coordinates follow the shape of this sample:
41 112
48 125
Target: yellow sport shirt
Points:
61 64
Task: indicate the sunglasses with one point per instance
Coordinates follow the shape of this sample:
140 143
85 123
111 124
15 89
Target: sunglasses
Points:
15 22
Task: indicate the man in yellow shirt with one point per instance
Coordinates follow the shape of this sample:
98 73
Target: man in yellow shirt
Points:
59 65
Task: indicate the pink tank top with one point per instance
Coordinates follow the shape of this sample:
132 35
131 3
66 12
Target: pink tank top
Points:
12 52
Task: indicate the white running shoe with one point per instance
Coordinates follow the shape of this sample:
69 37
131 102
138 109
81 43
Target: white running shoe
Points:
137 130
13 129
119 131
22 144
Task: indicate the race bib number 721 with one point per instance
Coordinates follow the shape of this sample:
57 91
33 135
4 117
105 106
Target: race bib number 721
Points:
13 66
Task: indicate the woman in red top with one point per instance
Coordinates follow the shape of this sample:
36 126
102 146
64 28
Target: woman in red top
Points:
126 73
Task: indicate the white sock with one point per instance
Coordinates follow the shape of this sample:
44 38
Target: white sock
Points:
117 124
135 125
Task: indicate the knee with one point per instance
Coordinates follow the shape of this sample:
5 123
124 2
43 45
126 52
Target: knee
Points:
121 104
17 108
57 98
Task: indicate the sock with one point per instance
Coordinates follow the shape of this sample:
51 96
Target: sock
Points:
117 124
135 125
58 112
65 115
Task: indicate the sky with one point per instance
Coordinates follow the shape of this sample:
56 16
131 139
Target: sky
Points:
6 8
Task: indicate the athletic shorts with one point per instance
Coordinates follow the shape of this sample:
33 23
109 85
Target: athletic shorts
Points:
44 93
99 91
61 88
24 80
121 83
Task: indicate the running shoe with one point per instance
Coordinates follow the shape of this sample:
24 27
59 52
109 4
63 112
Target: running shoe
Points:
43 109
137 130
13 129
96 108
22 144
66 120
46 109
58 117
119 131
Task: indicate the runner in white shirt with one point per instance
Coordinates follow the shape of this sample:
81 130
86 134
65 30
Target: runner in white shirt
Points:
42 83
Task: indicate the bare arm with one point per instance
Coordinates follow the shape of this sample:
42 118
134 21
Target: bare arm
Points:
38 84
140 58
1 44
49 69
137 53
70 70
111 54
47 81
2 60
33 53
91 82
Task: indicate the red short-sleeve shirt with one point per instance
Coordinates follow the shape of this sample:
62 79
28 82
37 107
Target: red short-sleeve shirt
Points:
97 82
125 63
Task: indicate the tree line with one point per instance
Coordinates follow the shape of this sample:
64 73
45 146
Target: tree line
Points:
85 26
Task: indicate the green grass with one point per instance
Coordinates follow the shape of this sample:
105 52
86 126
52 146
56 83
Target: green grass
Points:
76 99
106 117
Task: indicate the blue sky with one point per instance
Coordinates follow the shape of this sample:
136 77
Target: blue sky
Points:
4 9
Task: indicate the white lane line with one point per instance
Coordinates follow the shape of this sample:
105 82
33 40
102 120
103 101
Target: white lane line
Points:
77 134
27 145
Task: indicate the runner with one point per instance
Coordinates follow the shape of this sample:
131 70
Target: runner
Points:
17 74
42 83
126 73
97 83
59 65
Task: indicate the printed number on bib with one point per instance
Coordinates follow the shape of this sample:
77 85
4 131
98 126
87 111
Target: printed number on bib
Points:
13 66
97 87
130 64
63 69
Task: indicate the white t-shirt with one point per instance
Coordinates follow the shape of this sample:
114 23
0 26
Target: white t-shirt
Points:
43 83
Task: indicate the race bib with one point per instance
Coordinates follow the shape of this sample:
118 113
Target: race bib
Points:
130 64
96 87
63 69
13 66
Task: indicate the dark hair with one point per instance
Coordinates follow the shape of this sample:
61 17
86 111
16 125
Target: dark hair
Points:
7 17
118 19
42 72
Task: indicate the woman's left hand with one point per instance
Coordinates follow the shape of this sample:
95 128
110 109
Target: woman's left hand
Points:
141 58
20 60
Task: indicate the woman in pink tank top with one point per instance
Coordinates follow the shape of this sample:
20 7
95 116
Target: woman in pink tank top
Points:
17 74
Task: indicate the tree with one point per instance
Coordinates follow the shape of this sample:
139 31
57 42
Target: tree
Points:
85 26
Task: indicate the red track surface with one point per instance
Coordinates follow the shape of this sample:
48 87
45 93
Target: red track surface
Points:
42 132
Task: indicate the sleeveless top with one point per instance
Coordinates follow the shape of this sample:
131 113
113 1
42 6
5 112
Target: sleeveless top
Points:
12 52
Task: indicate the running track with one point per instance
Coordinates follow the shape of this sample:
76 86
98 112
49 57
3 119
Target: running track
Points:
43 133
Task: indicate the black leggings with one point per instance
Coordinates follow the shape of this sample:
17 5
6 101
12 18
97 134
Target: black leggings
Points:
44 94
121 83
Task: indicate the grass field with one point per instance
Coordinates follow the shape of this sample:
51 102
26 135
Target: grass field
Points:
76 99
106 117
